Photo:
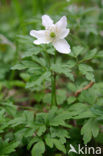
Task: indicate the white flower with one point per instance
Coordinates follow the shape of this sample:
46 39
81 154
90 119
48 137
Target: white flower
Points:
53 33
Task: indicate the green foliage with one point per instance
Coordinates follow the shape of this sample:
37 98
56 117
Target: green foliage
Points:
87 71
29 124
62 69
89 129
7 147
38 149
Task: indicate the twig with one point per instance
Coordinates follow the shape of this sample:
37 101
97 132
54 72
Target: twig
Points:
85 88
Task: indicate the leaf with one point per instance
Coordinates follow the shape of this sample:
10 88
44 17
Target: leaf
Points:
85 114
42 78
18 67
57 117
7 147
78 108
47 98
59 145
80 111
71 99
89 129
38 149
87 71
9 107
90 77
30 64
60 133
26 117
91 54
29 116
32 141
97 110
71 63
24 39
39 60
84 68
77 50
25 76
49 141
63 69
41 118
99 54
61 96
71 86
3 121
31 52
88 96
52 113
51 51
41 130
60 118
39 96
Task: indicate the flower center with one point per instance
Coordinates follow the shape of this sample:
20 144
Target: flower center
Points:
52 35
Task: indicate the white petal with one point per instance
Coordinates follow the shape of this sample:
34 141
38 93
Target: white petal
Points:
40 35
62 23
64 33
62 46
41 41
37 34
46 21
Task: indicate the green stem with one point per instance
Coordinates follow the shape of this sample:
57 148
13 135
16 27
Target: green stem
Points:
53 93
53 79
53 85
